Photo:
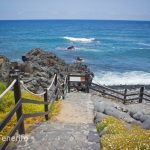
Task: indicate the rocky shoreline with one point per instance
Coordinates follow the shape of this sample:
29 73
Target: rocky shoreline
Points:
138 113
39 67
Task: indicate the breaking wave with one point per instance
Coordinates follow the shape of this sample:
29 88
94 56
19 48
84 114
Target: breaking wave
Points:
126 78
84 40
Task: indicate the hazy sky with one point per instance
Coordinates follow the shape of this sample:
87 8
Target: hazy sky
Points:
75 9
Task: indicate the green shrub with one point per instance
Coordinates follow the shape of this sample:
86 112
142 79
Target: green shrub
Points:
100 127
2 87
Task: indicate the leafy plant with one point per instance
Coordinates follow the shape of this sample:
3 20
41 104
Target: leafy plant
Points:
2 87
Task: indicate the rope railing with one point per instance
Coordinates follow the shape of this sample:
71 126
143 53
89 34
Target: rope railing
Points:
52 82
40 94
9 88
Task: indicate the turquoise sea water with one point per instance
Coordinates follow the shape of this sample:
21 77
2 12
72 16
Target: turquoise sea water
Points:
117 51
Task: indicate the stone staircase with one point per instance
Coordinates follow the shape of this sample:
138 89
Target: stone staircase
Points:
72 129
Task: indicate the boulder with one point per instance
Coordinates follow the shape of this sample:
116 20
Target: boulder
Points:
27 67
99 107
144 118
132 112
118 114
99 116
146 124
138 115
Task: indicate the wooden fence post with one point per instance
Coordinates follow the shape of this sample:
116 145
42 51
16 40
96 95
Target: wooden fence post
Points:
46 105
141 94
68 83
63 87
87 84
17 95
125 96
55 83
103 92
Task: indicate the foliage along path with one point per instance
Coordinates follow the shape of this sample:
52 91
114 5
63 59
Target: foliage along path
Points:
72 129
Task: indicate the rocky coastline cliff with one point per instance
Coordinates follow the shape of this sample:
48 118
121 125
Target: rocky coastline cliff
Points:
38 67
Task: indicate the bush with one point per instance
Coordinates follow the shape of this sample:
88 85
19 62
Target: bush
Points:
7 100
119 137
2 87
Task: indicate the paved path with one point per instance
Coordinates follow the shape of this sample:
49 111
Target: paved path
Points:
72 129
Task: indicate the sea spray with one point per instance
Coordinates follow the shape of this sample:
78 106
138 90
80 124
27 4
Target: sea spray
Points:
126 78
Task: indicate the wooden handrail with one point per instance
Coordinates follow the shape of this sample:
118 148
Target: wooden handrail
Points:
132 99
146 99
10 114
13 131
104 87
98 90
39 113
18 106
30 101
132 94
124 96
147 95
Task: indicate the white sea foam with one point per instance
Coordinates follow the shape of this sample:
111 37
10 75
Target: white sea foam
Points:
144 44
84 40
87 49
127 78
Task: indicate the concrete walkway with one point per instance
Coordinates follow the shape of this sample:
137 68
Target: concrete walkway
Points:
72 129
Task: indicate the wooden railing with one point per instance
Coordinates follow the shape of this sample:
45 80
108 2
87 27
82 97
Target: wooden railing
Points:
77 81
123 96
48 100
65 86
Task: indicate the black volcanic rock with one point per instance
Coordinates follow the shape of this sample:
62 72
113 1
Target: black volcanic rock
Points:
40 66
4 68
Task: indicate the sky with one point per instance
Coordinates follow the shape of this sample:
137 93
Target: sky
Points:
75 9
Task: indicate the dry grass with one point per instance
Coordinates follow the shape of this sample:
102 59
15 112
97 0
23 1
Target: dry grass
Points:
118 137
7 103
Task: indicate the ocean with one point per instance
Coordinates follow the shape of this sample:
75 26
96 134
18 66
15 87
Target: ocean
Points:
118 52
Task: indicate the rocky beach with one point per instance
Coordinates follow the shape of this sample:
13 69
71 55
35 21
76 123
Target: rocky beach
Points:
138 113
38 68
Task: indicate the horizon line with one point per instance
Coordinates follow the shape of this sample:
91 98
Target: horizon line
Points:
74 20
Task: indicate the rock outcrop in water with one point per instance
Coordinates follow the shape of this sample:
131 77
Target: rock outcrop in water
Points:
40 66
